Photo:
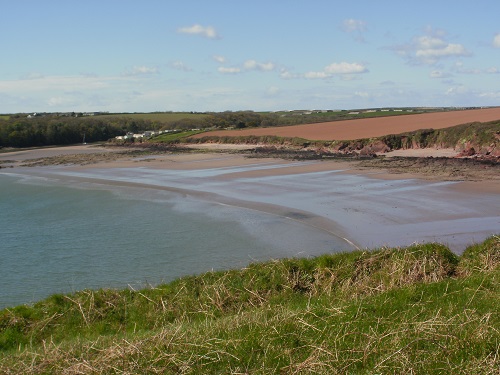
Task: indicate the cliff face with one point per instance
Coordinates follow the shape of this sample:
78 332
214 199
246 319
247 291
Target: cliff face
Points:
475 139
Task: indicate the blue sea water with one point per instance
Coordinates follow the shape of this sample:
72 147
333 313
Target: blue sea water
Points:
58 237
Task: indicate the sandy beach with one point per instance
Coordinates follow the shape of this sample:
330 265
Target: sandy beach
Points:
366 207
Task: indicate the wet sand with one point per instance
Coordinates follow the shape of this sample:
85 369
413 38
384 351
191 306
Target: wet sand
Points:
368 208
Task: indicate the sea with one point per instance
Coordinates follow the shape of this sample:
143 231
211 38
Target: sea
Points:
61 237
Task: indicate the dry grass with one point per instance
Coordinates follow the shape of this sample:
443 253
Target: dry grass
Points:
415 310
481 257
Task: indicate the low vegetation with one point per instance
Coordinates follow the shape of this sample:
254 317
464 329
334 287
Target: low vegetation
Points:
173 137
157 117
43 129
478 134
483 138
416 310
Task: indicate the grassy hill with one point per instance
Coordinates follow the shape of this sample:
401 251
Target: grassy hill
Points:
420 310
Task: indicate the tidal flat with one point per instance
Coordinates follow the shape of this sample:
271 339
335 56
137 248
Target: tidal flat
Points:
132 216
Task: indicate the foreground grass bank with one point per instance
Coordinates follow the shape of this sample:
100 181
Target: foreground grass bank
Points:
420 310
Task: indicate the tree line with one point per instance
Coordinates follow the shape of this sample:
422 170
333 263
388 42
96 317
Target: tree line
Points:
47 130
53 130
21 131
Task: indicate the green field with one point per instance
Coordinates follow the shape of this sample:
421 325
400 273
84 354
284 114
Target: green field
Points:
308 117
415 310
156 116
174 136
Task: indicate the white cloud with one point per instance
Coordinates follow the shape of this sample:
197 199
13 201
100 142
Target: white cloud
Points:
142 70
439 74
60 101
64 92
471 71
461 69
457 90
285 74
490 95
355 28
436 74
228 70
430 48
250 65
57 83
362 94
429 42
33 75
267 66
219 59
496 41
247 66
316 75
179 65
205 31
345 68
352 25
254 65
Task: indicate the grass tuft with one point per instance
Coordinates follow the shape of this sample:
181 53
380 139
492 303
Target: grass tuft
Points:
481 257
419 309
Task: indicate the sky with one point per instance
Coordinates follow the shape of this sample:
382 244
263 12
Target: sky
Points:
261 55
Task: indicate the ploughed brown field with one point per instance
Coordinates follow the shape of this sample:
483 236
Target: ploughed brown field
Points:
369 127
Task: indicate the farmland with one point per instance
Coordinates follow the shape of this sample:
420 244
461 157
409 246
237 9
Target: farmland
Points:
161 117
368 127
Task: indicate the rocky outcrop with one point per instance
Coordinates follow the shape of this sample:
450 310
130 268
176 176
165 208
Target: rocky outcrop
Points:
475 140
467 152
375 148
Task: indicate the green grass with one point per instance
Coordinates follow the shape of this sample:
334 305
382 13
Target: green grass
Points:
476 134
174 137
4 117
420 310
158 116
303 117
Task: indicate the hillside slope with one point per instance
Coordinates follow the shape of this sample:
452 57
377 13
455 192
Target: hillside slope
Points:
481 138
419 309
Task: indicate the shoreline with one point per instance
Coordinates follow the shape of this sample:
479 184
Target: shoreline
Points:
425 164
299 216
353 207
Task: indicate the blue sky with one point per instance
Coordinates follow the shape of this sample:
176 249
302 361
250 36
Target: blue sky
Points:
160 55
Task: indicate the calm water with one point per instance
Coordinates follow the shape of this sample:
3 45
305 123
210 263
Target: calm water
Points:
56 237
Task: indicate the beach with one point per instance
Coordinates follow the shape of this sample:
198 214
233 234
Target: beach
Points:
365 207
